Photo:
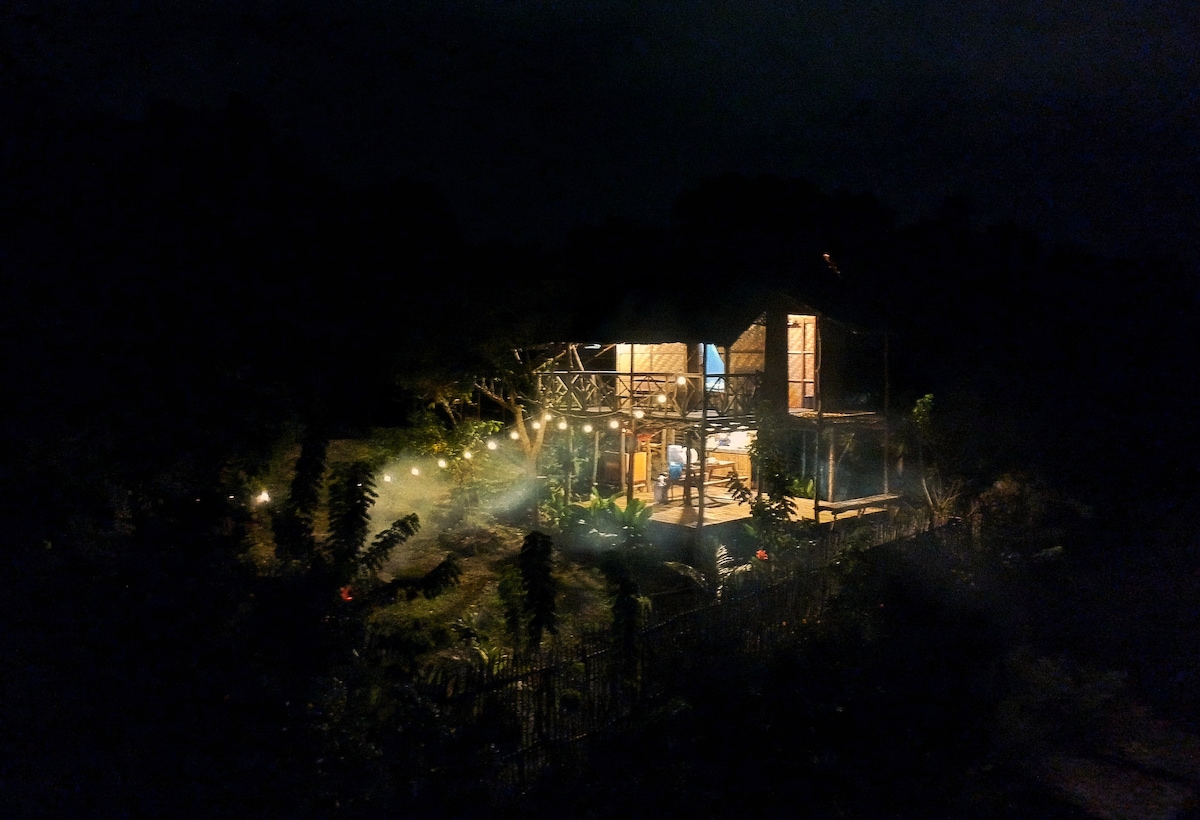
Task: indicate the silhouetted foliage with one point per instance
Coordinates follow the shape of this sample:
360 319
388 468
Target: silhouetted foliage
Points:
536 561
351 494
432 584
293 523
372 559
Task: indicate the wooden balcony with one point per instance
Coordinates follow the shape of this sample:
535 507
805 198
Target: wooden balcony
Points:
658 395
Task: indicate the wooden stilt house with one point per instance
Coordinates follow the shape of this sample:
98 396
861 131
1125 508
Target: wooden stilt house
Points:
674 408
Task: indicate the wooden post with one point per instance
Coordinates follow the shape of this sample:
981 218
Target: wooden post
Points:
626 466
632 426
803 452
595 456
829 490
687 469
703 440
887 454
817 400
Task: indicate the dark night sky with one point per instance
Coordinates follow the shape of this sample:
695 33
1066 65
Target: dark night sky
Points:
1077 120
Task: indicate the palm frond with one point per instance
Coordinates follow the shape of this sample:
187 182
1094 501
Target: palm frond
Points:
375 556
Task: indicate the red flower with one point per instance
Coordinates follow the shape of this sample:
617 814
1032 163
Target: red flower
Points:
345 593
761 555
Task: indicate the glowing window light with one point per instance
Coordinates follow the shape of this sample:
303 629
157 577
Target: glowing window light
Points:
442 463
492 445
263 497
587 428
639 413
562 425
514 435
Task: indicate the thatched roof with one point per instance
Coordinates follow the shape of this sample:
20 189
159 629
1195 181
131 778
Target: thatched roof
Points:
647 317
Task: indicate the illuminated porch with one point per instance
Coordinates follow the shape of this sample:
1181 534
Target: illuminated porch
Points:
722 509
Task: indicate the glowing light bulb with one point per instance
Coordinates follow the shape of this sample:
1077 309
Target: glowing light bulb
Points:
661 398
415 471
467 454
442 463
562 425
639 413
514 435
587 428
492 445
264 497
681 380
537 425
387 477
614 424
548 417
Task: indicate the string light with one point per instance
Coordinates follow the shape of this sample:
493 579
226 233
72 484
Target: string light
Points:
441 463
639 413
514 435
491 444
415 471
467 454
587 428
562 425
614 424
537 425
662 398
387 477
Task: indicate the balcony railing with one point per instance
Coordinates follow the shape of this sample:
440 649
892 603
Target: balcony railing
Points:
657 394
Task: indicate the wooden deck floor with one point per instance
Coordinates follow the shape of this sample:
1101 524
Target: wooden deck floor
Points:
720 510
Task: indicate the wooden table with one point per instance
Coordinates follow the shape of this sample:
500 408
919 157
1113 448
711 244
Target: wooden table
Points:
712 465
